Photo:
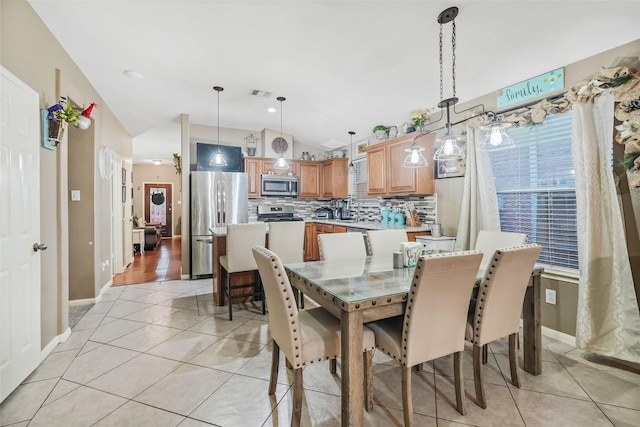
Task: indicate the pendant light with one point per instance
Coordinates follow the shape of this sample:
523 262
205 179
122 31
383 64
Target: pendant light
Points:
449 148
218 159
352 168
281 162
415 158
496 134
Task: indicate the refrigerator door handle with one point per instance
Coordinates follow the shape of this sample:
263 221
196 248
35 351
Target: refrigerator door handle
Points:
218 204
224 203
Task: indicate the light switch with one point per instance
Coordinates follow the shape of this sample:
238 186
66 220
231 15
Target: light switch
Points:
75 195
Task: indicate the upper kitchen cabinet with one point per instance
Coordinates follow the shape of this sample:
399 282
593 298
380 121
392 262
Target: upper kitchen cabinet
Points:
376 170
253 168
335 178
386 174
267 167
311 177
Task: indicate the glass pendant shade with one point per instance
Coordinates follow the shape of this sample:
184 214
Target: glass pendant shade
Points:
218 160
449 149
496 135
281 163
415 158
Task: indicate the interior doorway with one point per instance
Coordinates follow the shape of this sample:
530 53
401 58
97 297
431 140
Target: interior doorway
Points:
158 206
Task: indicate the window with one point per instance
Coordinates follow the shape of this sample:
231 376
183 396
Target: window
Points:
536 189
358 180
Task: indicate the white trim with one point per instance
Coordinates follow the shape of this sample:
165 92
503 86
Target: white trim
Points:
91 300
559 336
46 351
561 274
185 276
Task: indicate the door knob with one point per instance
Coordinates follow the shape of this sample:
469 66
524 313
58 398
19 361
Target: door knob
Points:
39 247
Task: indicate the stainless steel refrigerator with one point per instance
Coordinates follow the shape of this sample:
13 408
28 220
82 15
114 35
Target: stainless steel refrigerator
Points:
217 199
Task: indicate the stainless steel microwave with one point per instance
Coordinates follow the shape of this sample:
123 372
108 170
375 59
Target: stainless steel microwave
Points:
279 185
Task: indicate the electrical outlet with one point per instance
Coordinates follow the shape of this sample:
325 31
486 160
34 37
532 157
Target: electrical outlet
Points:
550 296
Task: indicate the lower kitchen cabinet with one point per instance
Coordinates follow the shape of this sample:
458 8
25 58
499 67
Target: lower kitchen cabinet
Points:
311 231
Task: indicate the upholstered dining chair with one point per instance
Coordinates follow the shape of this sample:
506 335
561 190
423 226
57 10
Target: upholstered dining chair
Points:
385 242
488 242
240 239
286 239
305 336
345 247
495 313
434 320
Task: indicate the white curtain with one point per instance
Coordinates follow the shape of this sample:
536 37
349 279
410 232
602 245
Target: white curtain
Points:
479 207
608 321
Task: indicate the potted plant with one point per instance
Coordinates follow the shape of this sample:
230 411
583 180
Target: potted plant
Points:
380 132
62 116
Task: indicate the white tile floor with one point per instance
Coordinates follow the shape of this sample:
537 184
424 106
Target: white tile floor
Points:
161 354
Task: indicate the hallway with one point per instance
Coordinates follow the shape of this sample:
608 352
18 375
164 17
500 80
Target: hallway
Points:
160 264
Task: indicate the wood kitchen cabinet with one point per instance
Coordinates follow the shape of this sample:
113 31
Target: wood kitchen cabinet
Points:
311 176
386 174
253 168
376 170
311 232
311 251
335 183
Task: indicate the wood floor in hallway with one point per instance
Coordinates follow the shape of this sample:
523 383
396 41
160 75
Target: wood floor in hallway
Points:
162 263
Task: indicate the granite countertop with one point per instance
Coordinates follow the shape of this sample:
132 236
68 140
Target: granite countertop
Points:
371 225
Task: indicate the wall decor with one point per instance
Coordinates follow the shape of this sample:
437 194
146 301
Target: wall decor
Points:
450 168
124 176
124 193
544 84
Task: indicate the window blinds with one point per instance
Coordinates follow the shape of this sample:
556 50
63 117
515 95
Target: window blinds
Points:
536 189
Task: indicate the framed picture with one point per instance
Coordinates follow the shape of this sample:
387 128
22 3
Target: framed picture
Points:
449 168
124 193
124 176
361 148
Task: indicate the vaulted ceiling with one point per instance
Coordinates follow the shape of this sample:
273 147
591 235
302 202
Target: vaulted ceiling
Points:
342 65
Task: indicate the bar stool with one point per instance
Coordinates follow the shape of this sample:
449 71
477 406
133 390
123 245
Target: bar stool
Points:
241 238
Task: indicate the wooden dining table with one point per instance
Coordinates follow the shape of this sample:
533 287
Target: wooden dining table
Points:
362 292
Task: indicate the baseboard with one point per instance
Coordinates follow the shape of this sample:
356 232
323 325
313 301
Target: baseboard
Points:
559 336
95 300
185 277
46 351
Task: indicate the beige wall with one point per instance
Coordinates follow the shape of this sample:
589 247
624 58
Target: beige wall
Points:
30 51
161 174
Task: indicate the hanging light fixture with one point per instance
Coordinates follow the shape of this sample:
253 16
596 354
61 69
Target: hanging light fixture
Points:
218 159
449 148
281 162
415 158
496 134
352 167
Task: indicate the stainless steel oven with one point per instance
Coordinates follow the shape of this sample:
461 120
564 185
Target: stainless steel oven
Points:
279 185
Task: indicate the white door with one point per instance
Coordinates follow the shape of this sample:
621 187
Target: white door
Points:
19 231
116 216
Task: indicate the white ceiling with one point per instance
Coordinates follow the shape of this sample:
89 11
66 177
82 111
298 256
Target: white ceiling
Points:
342 65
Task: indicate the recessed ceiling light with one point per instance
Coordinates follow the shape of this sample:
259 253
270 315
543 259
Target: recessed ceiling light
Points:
133 74
271 110
157 162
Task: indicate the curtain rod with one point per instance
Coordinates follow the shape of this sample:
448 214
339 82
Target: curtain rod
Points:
529 104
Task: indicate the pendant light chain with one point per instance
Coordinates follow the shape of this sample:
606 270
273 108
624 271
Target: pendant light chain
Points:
441 85
453 56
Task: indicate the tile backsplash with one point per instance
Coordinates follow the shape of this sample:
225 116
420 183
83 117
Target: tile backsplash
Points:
366 209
